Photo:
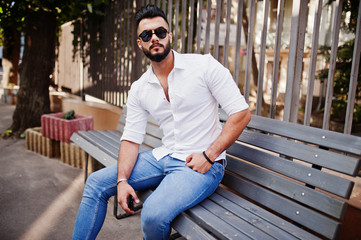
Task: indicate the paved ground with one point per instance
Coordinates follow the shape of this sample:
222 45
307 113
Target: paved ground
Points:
39 196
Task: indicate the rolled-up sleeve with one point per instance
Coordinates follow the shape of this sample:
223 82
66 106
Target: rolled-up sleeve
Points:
224 88
136 120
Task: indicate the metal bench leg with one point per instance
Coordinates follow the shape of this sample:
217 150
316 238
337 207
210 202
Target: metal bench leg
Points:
124 215
174 236
86 166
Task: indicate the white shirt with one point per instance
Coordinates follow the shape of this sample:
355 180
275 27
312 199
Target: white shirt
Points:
190 122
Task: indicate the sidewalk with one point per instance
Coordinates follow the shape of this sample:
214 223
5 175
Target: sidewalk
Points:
39 196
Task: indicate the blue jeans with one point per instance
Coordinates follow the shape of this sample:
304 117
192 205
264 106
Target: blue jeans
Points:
178 188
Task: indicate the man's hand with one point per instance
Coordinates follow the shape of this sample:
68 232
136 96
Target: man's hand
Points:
198 163
124 191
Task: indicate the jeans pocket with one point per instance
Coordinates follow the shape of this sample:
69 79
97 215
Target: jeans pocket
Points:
218 171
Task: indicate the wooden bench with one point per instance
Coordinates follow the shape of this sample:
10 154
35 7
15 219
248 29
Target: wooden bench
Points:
283 181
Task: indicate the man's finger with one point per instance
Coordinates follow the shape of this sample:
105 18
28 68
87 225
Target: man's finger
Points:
135 197
128 210
188 159
125 207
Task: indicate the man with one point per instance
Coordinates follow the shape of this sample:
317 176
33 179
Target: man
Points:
182 92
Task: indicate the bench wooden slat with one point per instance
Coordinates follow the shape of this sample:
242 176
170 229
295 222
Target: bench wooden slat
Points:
152 128
262 214
120 128
113 135
116 142
235 221
121 125
303 194
122 119
143 148
105 156
250 218
215 225
93 151
296 212
152 120
318 156
152 141
105 146
113 139
153 133
190 229
116 134
321 137
314 177
105 138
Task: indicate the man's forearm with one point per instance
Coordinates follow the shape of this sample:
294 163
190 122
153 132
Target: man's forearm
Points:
128 154
230 132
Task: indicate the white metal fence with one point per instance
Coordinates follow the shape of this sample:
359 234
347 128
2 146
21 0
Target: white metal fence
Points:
271 47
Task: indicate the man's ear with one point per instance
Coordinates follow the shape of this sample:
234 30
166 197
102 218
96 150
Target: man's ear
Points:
139 44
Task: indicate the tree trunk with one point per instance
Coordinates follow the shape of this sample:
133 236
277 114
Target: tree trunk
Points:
11 56
35 71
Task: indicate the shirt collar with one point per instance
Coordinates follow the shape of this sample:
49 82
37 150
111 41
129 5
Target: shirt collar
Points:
178 60
178 64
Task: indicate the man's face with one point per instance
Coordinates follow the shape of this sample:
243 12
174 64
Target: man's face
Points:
156 48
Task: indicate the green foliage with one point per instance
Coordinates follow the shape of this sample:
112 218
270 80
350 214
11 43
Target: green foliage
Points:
357 113
8 133
11 17
343 68
69 115
22 135
14 13
342 81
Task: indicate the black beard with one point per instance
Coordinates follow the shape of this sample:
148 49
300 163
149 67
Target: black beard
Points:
158 57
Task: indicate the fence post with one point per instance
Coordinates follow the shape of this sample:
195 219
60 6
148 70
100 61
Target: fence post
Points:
332 69
294 71
354 75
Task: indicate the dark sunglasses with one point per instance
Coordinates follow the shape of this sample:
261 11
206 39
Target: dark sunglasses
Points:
146 35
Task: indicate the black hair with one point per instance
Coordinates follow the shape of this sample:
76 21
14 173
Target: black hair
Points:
149 11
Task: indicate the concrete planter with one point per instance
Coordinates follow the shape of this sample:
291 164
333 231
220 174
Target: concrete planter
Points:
54 127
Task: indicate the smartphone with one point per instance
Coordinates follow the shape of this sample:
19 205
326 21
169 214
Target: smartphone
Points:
130 202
